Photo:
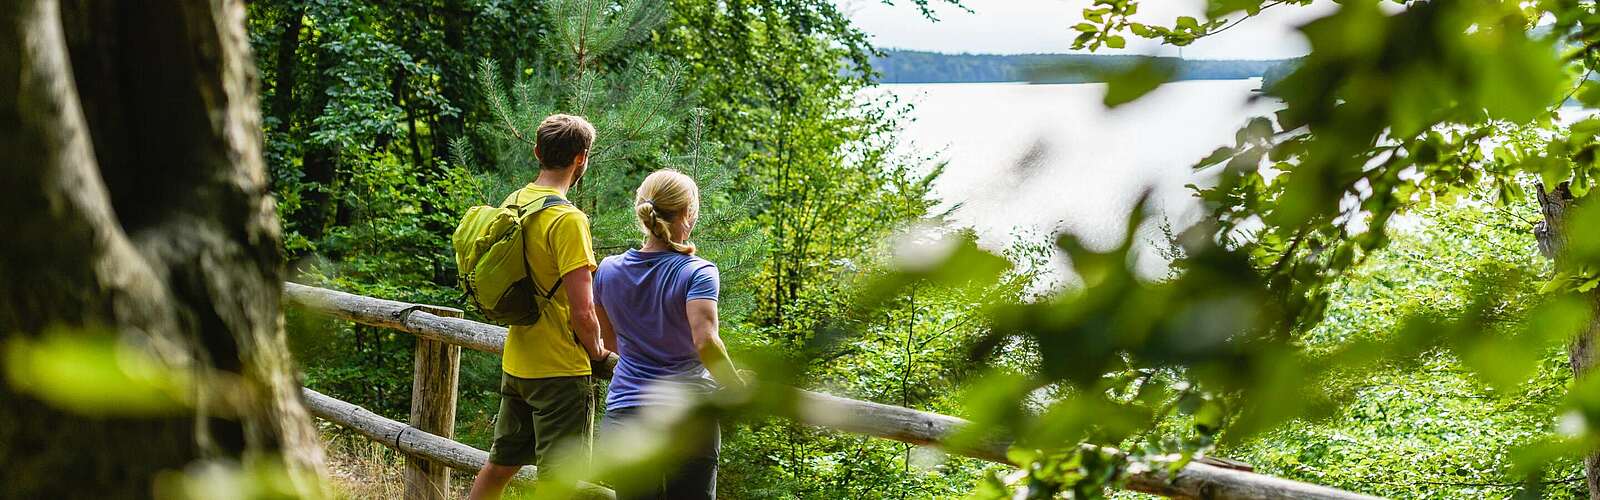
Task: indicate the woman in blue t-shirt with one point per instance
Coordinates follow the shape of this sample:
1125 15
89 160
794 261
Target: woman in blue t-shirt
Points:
658 308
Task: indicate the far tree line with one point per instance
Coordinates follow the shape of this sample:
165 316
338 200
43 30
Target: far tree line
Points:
915 66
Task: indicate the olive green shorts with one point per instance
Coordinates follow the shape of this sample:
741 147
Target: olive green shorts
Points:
539 415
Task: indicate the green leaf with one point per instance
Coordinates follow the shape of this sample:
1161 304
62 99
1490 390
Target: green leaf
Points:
1589 125
1416 101
1220 155
1209 416
1552 171
91 373
1589 94
1259 128
1126 86
1517 78
1218 8
1116 42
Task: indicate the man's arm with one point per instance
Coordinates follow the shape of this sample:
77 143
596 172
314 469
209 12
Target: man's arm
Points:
607 334
580 297
608 368
703 326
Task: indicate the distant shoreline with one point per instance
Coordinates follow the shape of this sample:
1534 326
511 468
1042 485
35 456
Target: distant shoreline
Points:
1024 82
1036 54
908 66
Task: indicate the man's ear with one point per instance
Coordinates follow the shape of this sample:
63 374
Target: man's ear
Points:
581 159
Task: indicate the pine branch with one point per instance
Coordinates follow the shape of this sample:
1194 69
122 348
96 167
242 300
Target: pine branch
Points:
461 154
586 91
583 37
590 29
489 80
654 98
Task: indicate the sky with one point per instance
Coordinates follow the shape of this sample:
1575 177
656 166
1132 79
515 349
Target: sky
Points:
1044 26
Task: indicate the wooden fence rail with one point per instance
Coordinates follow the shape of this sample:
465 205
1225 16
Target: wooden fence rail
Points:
1195 480
416 442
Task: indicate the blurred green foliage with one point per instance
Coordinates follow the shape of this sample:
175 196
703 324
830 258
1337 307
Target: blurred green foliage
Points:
256 478
1363 306
1435 428
1429 105
94 373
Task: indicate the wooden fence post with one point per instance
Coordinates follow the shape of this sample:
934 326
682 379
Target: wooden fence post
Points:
435 374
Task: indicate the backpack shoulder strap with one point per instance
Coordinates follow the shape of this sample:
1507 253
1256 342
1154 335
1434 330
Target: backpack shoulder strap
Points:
553 200
530 209
526 209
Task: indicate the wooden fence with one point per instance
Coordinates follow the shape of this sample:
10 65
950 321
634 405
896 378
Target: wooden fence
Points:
442 333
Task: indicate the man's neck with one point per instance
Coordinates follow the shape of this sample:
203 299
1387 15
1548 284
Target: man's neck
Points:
558 180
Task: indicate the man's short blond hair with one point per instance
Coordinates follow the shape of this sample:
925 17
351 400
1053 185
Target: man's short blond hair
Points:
560 138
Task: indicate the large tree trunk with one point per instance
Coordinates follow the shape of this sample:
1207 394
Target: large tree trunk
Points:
1582 353
134 202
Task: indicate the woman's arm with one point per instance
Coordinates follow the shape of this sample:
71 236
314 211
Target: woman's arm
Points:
703 324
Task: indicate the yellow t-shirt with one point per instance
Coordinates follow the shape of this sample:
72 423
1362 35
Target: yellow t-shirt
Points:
556 242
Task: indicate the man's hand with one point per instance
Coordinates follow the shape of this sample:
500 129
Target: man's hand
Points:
606 366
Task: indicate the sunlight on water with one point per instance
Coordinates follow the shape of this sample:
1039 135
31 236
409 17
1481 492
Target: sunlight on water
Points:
1035 159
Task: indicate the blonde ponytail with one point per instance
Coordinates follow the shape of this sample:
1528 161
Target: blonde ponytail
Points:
665 197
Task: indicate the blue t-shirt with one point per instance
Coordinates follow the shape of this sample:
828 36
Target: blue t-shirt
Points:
645 295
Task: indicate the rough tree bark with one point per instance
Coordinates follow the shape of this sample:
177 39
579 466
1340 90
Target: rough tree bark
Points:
134 201
1582 354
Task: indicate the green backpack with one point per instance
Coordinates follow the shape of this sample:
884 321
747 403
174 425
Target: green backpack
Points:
493 269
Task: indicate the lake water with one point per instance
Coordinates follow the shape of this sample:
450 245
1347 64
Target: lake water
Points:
1031 160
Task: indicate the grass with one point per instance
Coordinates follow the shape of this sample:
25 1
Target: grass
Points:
359 468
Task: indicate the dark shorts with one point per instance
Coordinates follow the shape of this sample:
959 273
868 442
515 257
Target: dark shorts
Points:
539 415
695 476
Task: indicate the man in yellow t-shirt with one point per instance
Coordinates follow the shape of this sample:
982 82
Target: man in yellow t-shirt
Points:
546 396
